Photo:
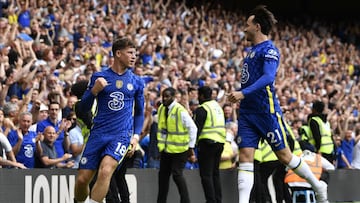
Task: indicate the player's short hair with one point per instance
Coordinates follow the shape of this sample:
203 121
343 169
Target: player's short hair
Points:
264 17
122 43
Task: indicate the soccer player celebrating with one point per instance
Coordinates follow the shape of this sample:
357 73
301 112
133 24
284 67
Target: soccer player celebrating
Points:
117 122
260 113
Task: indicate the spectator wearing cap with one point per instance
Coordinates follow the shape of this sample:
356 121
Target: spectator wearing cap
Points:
41 114
71 69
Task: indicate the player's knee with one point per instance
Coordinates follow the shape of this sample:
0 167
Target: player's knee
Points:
82 180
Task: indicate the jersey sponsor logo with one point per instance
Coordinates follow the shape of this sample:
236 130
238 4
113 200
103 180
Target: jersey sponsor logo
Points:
119 84
29 151
245 73
117 102
272 54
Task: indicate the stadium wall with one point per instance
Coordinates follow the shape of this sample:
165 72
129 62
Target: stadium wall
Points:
56 186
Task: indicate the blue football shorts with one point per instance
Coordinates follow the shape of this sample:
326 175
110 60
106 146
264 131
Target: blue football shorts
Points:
252 127
100 145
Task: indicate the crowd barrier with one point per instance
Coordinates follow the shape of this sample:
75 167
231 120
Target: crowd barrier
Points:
56 186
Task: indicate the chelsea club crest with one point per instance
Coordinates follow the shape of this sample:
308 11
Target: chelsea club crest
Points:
119 84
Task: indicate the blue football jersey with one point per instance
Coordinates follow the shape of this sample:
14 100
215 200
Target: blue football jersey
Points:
26 154
117 102
257 82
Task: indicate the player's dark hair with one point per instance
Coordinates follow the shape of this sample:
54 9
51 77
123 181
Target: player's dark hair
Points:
264 17
122 43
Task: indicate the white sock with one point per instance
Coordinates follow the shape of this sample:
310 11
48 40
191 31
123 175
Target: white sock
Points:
302 169
92 201
245 181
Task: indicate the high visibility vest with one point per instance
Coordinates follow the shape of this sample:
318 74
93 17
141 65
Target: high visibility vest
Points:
85 131
297 149
314 162
172 135
214 126
227 151
305 133
257 154
327 145
265 152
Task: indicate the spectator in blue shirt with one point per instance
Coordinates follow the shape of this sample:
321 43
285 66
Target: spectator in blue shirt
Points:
25 144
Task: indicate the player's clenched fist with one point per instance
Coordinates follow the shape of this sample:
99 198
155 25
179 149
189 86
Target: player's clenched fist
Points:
99 85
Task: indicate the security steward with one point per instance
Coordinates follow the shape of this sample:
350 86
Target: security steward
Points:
176 140
210 121
321 132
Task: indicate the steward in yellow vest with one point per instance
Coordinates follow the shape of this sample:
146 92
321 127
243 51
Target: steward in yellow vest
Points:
210 121
321 132
176 135
172 135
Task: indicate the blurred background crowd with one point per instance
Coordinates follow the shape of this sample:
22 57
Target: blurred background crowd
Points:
48 46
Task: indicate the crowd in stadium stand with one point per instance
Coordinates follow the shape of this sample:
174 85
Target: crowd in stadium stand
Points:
47 46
